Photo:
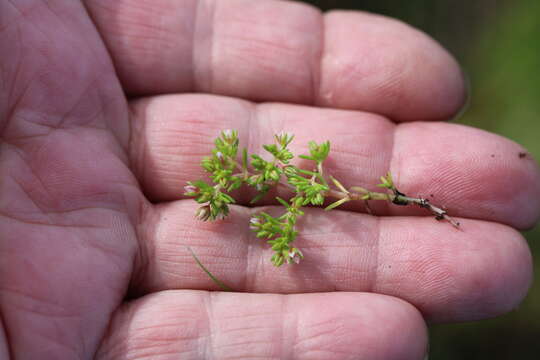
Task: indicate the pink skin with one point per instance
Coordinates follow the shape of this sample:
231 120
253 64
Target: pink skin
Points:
89 205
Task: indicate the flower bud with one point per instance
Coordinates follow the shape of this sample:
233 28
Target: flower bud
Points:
190 189
203 213
230 136
284 138
295 255
221 215
254 223
277 259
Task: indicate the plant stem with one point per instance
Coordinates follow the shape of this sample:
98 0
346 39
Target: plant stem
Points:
362 194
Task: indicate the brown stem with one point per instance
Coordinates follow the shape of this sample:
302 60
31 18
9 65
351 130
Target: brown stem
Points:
360 193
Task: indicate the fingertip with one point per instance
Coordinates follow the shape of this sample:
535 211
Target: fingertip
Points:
471 172
383 65
407 329
500 275
367 326
482 271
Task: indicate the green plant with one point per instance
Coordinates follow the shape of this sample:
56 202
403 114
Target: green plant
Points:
310 187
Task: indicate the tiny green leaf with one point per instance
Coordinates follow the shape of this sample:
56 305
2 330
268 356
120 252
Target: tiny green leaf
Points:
244 159
336 204
282 202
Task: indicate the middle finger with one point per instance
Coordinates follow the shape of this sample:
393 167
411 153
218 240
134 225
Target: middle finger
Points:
470 172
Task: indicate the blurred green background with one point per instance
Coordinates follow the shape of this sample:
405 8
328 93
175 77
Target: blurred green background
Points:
498 44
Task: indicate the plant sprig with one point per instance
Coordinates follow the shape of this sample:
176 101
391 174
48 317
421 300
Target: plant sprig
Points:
311 187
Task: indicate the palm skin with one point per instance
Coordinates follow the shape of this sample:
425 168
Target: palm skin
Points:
70 205
89 194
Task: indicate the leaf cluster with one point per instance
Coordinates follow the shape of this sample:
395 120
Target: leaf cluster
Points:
387 182
317 152
310 188
227 175
280 232
221 166
216 201
222 163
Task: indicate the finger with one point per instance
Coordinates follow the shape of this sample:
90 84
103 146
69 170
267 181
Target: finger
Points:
470 172
280 51
448 274
203 325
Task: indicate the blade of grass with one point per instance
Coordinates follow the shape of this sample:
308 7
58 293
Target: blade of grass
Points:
218 282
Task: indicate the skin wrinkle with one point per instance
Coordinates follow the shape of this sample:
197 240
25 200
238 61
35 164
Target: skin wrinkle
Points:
58 311
72 352
59 125
24 13
289 326
251 267
204 43
4 334
47 336
142 254
59 18
117 347
124 310
28 222
138 155
193 45
264 48
145 254
102 247
376 267
137 27
394 87
40 181
11 112
122 136
66 114
11 92
208 349
27 193
19 11
316 62
325 329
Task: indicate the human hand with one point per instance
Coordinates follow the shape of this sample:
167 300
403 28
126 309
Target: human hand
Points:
93 259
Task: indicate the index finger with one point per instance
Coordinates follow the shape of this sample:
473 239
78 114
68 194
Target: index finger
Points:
280 51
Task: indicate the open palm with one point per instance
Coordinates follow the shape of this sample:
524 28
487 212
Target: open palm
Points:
93 258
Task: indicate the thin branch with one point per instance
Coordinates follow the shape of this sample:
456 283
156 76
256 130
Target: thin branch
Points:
362 194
